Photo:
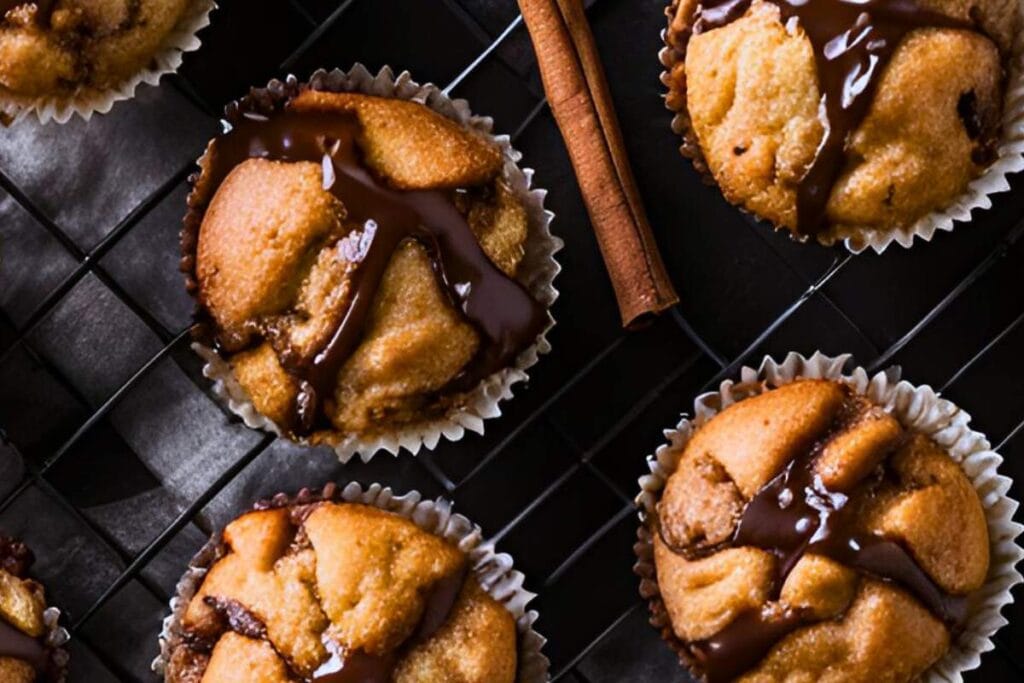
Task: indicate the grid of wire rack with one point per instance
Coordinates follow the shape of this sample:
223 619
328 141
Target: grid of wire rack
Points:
116 462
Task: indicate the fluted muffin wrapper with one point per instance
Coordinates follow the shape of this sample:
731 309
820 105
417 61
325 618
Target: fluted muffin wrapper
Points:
88 101
919 409
56 638
537 272
493 570
977 196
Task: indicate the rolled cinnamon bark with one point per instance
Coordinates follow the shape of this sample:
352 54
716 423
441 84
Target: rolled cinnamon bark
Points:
578 94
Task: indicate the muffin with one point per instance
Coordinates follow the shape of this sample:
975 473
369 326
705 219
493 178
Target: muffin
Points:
835 120
28 646
318 589
805 534
79 50
360 262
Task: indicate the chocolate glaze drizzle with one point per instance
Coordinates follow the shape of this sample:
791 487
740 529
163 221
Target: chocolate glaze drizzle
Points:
853 41
744 642
344 666
792 515
501 309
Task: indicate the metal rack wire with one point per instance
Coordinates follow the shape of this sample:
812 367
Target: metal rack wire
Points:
89 263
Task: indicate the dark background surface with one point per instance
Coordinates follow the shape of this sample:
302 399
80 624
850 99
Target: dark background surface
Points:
117 462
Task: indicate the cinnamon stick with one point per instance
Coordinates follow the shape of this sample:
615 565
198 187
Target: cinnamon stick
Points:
578 94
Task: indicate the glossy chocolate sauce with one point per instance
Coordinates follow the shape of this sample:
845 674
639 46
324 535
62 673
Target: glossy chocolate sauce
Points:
360 667
853 41
345 666
506 316
795 514
743 643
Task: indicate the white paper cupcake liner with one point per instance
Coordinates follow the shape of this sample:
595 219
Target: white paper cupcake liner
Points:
537 273
493 570
978 195
56 638
918 409
88 101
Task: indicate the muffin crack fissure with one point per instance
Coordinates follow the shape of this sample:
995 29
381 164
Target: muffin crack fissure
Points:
851 115
356 260
372 598
843 517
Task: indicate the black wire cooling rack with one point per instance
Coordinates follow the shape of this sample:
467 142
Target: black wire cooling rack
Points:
116 461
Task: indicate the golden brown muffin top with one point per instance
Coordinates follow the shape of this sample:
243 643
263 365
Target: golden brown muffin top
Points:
56 47
356 257
340 592
806 534
24 655
913 104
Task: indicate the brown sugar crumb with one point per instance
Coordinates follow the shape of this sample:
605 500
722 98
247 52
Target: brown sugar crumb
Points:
296 589
812 459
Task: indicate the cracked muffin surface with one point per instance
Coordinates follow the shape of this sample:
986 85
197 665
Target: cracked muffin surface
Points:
749 92
806 535
25 654
59 47
340 592
368 281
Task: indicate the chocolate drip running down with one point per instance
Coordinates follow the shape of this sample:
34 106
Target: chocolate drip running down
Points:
506 316
853 41
359 667
792 515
